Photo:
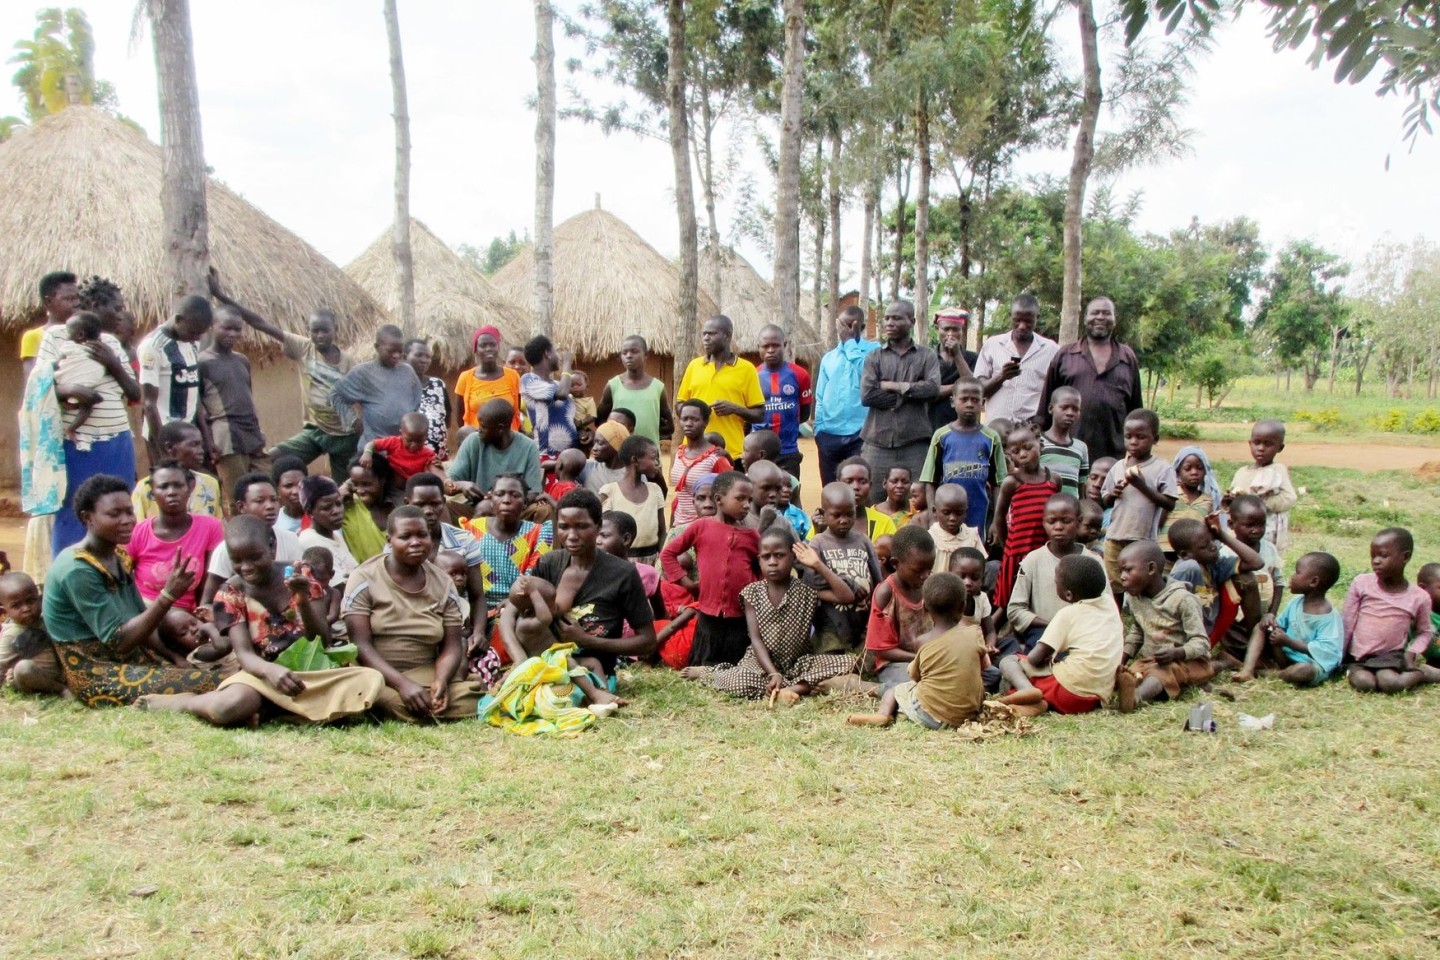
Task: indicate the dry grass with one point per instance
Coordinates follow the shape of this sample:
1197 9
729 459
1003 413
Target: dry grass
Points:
451 297
82 192
701 828
608 284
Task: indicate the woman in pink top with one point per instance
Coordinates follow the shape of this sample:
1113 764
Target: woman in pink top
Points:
175 530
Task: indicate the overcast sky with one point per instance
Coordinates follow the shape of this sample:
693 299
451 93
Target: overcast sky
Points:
295 99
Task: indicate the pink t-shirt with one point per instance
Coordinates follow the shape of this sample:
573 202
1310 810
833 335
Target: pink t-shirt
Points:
650 581
1379 621
155 558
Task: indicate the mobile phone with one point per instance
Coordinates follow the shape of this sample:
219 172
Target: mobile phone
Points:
1015 360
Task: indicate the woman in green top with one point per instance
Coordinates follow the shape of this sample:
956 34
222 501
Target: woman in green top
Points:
637 391
367 510
104 632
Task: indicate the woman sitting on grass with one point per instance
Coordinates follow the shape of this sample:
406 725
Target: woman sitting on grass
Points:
404 617
265 614
103 631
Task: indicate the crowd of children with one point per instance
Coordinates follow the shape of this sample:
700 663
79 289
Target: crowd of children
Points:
1011 566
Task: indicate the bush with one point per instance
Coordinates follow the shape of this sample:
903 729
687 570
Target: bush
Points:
1426 421
1391 421
1179 430
1325 418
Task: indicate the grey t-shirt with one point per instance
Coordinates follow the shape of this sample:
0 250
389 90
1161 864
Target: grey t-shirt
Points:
385 394
229 401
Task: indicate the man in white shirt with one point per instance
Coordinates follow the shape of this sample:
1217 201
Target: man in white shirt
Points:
1012 366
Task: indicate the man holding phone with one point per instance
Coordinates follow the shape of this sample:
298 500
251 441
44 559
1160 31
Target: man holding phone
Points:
1012 365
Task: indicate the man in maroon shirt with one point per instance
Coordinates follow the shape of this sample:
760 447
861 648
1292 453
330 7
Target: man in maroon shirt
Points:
1106 373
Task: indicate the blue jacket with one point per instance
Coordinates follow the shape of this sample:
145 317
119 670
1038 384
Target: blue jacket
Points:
838 409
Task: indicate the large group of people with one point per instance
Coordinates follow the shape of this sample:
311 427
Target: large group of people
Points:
992 524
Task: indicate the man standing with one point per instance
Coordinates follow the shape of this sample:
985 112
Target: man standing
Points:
322 364
786 387
729 384
955 362
170 373
897 383
547 398
839 416
385 388
1106 373
229 400
1012 366
60 297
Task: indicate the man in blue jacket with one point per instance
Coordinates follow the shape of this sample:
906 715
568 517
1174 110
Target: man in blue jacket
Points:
839 415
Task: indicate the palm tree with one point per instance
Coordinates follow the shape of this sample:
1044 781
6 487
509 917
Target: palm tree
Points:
404 263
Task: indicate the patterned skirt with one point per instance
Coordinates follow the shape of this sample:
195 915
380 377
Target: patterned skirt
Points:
100 677
747 680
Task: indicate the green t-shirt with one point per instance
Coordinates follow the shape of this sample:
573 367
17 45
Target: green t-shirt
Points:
480 463
84 603
645 404
362 536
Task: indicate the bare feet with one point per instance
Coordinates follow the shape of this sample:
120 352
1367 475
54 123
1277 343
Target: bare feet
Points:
1125 685
1241 676
169 702
1028 709
869 720
1027 697
694 673
606 698
1428 674
787 697
604 709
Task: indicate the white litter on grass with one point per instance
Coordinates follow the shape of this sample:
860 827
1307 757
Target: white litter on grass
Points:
1248 722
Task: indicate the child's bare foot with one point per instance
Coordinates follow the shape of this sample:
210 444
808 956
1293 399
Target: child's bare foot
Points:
1125 685
694 673
603 709
787 697
869 720
848 683
1242 676
1027 697
606 698
1027 709
166 702
1428 674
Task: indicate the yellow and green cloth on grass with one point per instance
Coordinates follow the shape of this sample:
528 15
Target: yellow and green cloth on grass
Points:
537 697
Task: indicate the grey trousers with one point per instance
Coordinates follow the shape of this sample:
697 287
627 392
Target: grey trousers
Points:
881 459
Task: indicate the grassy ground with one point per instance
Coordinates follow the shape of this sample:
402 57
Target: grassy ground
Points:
1383 418
706 829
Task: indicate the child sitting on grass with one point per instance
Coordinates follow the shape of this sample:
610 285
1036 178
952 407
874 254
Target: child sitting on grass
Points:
1086 634
1383 612
1219 569
840 627
1268 480
1427 578
942 686
1166 649
27 660
1247 520
778 612
1140 488
408 453
1066 457
1309 636
949 530
1198 495
968 564
1035 600
897 615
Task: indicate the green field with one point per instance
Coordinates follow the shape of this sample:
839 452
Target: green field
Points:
695 827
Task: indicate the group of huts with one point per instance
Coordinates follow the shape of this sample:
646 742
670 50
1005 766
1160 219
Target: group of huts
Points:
82 192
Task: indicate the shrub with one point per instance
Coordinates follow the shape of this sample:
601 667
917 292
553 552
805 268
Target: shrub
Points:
1325 418
1179 430
1426 421
1392 421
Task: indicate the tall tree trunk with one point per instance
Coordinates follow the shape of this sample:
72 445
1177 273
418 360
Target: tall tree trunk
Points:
707 187
902 196
1361 361
818 283
834 273
400 231
182 178
922 223
865 251
544 166
684 189
787 206
1080 162
879 191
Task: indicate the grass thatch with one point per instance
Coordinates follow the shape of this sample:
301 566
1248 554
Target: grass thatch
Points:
452 298
82 192
608 283
750 302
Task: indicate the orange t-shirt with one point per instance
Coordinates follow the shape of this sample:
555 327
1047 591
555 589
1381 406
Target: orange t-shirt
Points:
473 391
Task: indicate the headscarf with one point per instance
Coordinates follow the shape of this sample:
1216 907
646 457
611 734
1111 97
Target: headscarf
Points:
1210 485
483 331
614 433
315 488
702 482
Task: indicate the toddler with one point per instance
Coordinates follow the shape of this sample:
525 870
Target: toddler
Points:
969 564
1219 570
74 366
949 530
1383 612
1086 633
897 615
1268 480
585 412
1140 488
1309 635
530 610
27 660
408 453
1166 649
569 466
778 610
943 687
1092 525
1427 578
1247 520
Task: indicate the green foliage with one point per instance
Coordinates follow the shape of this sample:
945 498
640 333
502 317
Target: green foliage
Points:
1391 421
1215 363
1326 418
57 62
308 654
1179 430
1426 421
1303 312
500 251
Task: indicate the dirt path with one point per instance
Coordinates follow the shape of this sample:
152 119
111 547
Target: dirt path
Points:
1366 457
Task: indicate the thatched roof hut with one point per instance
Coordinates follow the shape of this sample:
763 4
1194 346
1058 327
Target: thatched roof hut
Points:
82 192
751 304
452 298
608 283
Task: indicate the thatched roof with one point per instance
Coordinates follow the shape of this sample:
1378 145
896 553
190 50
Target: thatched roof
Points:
751 304
452 298
608 283
82 192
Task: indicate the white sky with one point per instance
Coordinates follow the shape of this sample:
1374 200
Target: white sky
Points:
296 102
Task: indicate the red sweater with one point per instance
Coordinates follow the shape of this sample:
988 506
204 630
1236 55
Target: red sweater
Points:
726 559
